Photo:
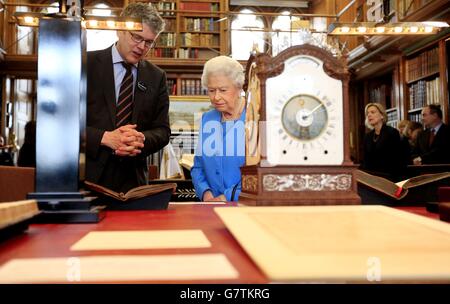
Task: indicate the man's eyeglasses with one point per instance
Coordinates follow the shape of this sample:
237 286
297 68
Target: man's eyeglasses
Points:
138 39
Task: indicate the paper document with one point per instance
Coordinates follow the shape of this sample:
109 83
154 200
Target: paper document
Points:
342 243
132 268
149 239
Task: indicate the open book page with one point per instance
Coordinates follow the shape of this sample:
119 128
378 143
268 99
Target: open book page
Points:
381 184
103 190
422 180
147 190
138 192
187 161
400 189
170 167
402 183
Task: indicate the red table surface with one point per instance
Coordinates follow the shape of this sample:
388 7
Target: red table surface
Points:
55 240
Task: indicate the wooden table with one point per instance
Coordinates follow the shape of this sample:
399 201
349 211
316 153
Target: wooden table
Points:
54 240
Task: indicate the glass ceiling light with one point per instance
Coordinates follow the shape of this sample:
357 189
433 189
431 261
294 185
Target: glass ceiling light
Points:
27 19
397 28
90 22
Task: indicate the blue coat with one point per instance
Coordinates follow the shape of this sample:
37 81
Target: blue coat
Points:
220 154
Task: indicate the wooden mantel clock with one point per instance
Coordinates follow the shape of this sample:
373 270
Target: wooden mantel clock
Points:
297 130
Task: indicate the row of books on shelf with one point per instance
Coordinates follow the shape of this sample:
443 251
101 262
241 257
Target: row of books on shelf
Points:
199 24
392 123
424 64
171 24
208 40
193 53
382 92
192 87
171 86
165 7
392 117
163 53
184 53
417 117
199 6
167 39
423 93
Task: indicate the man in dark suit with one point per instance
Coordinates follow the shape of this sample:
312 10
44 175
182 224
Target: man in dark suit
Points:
433 144
127 105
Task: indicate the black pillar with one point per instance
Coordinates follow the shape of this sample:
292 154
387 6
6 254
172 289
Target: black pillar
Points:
61 122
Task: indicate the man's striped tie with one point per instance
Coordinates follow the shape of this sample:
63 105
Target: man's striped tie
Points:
125 104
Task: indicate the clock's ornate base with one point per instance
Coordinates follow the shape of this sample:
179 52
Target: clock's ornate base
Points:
284 185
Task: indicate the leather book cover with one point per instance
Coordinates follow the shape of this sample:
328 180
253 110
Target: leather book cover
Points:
132 194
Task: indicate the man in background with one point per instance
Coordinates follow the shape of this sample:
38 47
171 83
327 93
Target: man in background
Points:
127 105
433 144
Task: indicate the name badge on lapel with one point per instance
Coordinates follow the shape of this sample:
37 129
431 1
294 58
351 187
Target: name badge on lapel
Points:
142 86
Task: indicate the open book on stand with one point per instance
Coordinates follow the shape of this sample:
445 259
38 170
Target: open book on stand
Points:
144 197
400 189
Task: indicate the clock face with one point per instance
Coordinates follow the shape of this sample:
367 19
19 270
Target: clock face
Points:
304 117
304 114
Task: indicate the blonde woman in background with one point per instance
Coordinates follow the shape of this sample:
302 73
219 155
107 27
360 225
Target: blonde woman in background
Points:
383 153
402 126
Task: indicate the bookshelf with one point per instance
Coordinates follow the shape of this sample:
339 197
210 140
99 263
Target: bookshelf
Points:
425 80
182 84
381 90
194 30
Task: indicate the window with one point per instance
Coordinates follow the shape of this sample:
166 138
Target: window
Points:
282 35
247 31
100 39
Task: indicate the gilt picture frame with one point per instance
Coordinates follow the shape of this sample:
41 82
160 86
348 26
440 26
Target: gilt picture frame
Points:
185 112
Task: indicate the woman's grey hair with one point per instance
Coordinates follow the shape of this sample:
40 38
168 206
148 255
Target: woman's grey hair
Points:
147 13
226 66
380 109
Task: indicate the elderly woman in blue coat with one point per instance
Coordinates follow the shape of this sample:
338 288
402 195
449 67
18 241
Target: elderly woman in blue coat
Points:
221 148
